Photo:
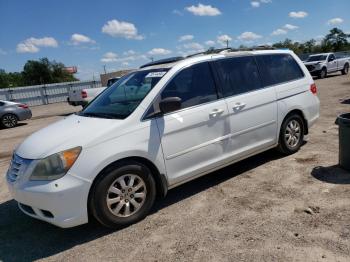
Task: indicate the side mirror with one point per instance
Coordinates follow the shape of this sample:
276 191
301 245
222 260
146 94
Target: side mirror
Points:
170 104
330 59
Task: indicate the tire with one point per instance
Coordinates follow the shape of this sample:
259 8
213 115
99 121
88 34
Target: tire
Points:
116 205
9 120
345 70
289 131
323 73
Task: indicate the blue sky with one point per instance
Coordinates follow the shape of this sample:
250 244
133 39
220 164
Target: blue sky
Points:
126 34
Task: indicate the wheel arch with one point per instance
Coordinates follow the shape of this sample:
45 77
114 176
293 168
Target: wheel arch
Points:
160 179
301 114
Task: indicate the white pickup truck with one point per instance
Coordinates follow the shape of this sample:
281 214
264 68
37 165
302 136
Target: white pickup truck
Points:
322 64
84 96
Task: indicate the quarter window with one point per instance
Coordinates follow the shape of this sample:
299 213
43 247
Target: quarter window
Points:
279 68
194 85
238 75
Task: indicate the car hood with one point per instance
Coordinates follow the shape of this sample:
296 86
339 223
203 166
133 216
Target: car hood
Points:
67 133
313 62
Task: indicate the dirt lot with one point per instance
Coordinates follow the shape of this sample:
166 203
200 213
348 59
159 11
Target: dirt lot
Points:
266 208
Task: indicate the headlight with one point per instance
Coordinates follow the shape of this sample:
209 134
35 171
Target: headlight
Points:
56 165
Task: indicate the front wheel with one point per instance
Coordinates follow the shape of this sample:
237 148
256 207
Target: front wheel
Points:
291 135
323 73
123 195
345 70
9 120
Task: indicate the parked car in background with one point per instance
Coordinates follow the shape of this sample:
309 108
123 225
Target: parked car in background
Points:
11 113
322 64
84 96
161 126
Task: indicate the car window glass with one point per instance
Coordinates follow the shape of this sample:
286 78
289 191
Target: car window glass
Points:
331 58
238 75
278 68
194 85
2 103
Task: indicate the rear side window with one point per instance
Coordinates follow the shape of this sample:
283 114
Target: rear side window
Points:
2 103
194 85
238 75
279 68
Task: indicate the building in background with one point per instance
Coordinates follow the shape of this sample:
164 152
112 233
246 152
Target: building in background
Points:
105 77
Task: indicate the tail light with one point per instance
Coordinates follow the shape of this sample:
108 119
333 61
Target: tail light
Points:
83 94
313 88
24 106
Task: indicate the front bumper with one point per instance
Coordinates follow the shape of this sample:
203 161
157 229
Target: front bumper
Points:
62 202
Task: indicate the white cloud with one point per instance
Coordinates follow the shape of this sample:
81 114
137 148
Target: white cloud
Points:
222 39
129 52
186 38
125 64
159 51
177 12
2 52
300 14
290 27
31 45
109 57
193 46
122 29
335 21
249 36
255 4
203 10
210 43
279 32
77 39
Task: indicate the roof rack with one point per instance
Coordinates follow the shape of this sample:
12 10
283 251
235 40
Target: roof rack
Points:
230 49
163 61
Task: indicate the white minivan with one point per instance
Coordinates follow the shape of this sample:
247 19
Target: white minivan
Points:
165 124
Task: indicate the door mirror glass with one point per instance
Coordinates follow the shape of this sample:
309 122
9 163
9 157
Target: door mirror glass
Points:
170 104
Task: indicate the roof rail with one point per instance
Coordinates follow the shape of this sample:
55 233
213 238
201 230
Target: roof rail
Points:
163 61
230 49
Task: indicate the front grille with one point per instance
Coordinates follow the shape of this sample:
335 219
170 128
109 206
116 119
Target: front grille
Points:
17 167
310 67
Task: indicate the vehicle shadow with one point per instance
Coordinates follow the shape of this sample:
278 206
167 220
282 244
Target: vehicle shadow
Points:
25 239
18 125
332 174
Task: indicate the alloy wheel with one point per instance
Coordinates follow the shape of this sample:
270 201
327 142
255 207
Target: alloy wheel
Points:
126 195
293 133
9 120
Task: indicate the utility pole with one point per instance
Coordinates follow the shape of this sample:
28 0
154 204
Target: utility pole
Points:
226 43
104 68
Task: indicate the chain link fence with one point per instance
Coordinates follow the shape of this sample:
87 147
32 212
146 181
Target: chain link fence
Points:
44 94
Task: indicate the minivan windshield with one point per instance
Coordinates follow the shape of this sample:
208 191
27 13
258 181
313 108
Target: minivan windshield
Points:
121 99
316 58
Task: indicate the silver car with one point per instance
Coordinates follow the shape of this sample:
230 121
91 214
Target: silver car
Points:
11 113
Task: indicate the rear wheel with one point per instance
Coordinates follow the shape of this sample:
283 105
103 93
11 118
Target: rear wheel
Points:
323 73
345 70
123 195
291 134
9 120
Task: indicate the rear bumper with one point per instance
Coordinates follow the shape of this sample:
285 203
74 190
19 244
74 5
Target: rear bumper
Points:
24 114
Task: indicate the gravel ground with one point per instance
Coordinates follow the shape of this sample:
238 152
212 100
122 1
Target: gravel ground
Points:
266 208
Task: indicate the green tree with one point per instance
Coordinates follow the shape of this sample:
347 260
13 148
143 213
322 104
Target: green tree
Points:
3 79
335 41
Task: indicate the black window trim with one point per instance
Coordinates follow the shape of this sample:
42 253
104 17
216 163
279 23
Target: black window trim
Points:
146 115
233 57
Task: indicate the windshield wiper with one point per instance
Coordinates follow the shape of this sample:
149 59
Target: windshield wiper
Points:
101 115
